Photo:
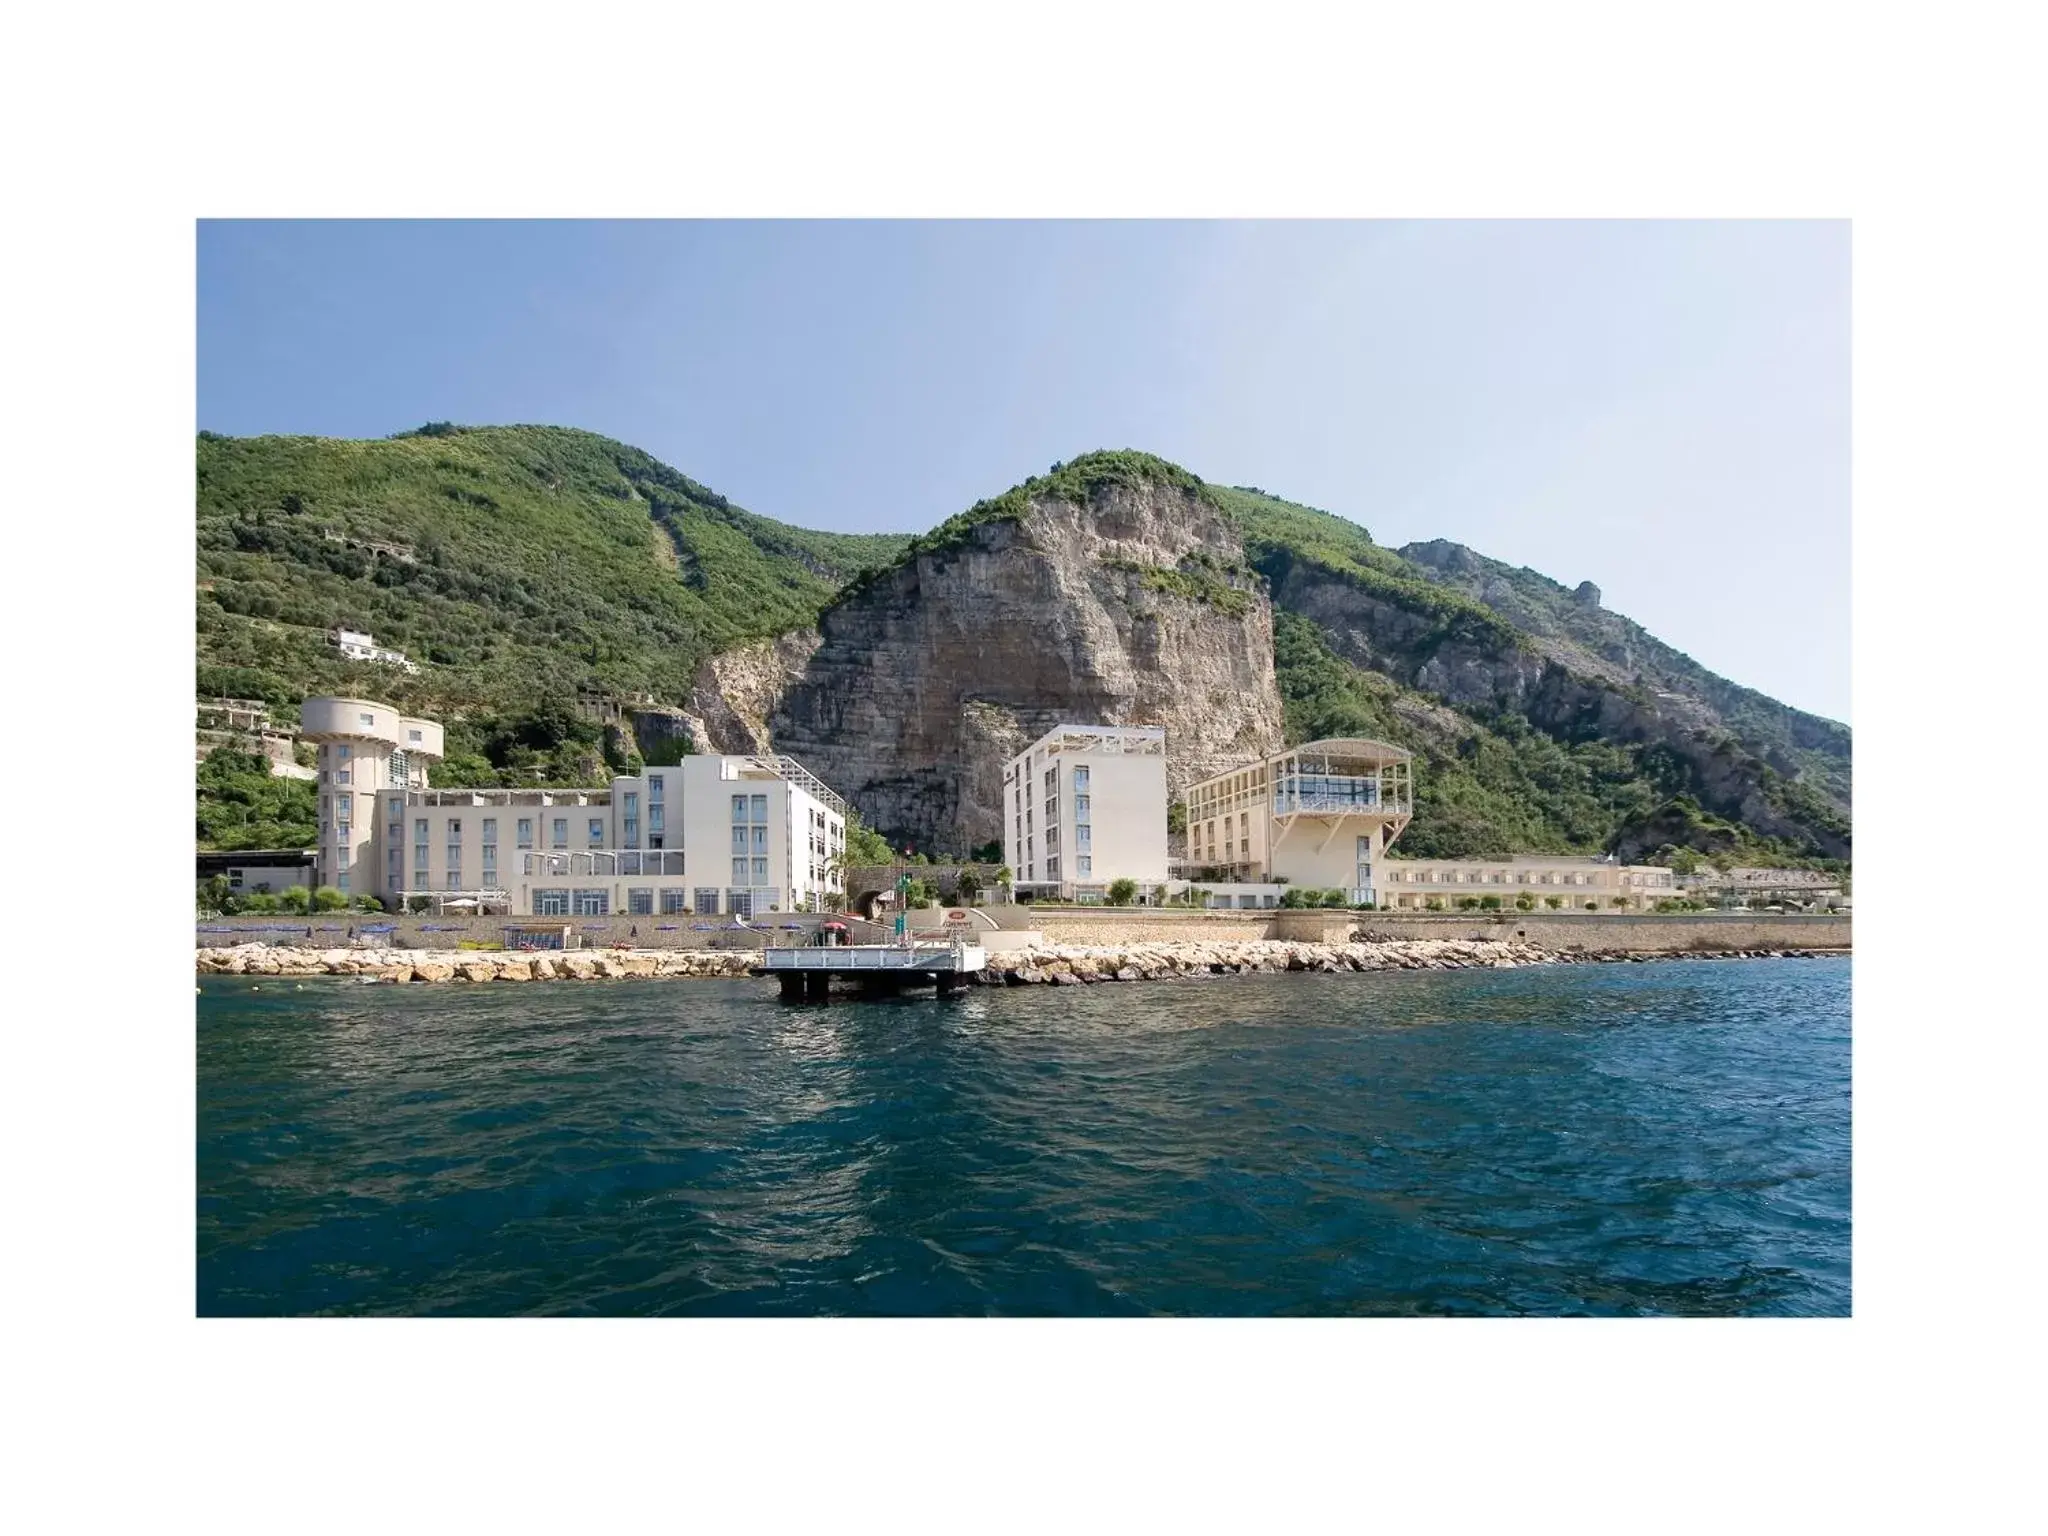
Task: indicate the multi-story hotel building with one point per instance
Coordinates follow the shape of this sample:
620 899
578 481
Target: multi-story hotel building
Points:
732 833
1085 805
1565 882
1319 816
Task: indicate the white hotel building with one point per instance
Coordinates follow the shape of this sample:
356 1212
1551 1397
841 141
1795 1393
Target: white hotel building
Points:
726 834
1085 805
1320 816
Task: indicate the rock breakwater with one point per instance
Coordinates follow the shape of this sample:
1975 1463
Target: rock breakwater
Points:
1042 965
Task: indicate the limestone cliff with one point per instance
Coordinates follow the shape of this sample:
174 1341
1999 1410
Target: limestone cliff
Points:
734 693
1117 599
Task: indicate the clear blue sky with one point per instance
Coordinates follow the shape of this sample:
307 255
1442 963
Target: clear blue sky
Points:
1660 407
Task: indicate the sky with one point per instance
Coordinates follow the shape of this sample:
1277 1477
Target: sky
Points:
1659 407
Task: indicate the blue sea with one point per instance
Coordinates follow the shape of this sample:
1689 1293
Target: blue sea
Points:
1667 1138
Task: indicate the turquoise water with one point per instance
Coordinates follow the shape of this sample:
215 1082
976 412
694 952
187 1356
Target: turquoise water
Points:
1668 1138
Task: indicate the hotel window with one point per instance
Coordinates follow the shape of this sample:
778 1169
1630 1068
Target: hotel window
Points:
632 802
490 831
591 903
672 901
760 870
490 862
341 881
1080 778
760 839
397 812
654 790
760 807
640 903
560 832
342 752
739 839
1052 868
526 831
596 832
412 736
654 821
1082 832
706 899
550 903
739 871
739 809
1080 807
1083 866
366 719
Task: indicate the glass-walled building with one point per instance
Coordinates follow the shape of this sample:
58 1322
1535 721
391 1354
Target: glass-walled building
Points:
1320 815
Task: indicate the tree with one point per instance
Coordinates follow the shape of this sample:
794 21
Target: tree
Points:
216 895
968 890
864 845
1122 891
1525 902
418 904
1553 902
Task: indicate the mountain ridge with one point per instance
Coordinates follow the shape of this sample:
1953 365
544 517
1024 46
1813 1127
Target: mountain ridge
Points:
521 563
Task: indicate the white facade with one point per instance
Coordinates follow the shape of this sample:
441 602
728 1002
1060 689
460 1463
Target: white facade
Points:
1560 883
1319 816
715 834
355 645
1085 805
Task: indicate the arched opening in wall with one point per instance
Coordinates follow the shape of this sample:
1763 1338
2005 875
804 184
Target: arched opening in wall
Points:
865 904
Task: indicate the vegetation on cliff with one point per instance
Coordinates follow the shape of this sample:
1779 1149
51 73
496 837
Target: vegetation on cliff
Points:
506 560
521 566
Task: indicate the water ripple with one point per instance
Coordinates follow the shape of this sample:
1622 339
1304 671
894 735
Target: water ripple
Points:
1612 1140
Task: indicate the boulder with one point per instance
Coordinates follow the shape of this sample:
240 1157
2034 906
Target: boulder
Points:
431 970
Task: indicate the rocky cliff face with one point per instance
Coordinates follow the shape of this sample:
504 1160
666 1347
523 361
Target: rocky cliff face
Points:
1559 688
1132 606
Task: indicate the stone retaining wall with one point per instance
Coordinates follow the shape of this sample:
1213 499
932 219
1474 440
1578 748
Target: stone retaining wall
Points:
1648 932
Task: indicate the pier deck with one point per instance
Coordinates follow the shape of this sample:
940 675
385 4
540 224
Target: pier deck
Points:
808 971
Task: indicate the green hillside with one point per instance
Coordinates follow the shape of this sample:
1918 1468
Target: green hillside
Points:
522 565
511 562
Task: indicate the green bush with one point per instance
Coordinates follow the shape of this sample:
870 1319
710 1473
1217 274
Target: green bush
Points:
1489 903
1553 902
295 898
367 904
1468 903
262 903
1433 904
1592 906
1336 898
1122 892
328 899
1525 903
419 904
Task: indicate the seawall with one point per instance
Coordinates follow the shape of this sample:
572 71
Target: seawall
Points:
1633 933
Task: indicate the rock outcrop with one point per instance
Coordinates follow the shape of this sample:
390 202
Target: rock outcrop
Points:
736 692
1131 607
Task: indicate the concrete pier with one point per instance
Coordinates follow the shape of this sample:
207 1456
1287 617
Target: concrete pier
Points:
806 974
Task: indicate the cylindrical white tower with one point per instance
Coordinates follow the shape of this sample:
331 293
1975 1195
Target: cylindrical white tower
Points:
364 747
